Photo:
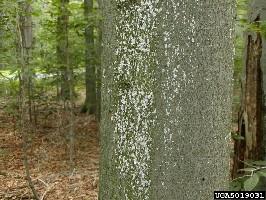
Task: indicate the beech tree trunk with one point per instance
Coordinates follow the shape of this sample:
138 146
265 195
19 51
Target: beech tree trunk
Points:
166 99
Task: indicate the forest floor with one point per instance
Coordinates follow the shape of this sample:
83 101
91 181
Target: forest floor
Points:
49 160
48 155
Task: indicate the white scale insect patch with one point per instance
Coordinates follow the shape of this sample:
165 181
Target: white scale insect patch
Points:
135 105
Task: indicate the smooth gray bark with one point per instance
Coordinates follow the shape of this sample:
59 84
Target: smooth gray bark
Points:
166 99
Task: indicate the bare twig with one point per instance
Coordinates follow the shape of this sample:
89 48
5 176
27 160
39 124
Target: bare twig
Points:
48 189
241 177
252 171
42 182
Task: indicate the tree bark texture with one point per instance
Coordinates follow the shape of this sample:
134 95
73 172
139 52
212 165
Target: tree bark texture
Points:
99 64
166 98
24 33
67 84
90 75
62 46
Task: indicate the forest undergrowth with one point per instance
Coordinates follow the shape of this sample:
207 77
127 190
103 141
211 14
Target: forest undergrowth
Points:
49 159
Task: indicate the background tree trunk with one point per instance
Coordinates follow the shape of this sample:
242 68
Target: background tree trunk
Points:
166 99
90 75
99 63
24 33
67 82
62 46
252 117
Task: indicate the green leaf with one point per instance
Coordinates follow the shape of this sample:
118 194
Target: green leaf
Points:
36 13
251 182
262 173
235 185
236 136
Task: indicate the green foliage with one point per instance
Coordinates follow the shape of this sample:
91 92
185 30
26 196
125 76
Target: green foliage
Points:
242 22
250 179
251 182
242 7
44 57
241 19
236 136
8 14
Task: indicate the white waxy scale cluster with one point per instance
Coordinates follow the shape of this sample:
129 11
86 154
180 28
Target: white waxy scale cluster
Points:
135 111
